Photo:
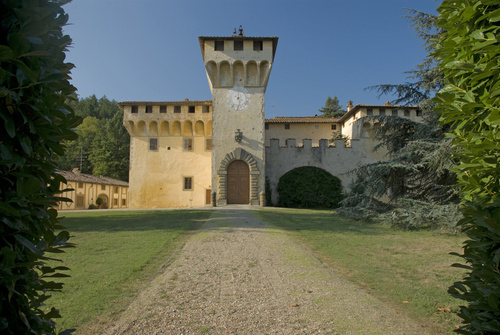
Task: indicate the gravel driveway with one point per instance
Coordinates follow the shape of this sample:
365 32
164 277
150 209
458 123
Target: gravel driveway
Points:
238 275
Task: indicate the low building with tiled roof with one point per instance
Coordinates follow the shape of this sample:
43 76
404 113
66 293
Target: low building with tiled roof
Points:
84 189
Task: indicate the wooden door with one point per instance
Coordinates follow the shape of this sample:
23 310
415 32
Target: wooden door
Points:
238 183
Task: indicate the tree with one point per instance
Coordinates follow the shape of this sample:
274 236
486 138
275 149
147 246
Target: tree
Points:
332 108
469 104
419 153
34 88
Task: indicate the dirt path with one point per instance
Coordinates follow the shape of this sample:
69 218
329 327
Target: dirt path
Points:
239 276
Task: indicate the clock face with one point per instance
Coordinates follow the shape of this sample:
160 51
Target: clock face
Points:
238 98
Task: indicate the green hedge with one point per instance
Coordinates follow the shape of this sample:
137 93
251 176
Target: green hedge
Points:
309 187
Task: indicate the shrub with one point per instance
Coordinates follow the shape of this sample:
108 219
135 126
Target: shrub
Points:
34 88
309 187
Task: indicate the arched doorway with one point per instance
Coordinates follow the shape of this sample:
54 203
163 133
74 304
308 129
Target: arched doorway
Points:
104 198
238 183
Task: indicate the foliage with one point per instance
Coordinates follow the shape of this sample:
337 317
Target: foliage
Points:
419 154
469 52
103 144
332 108
34 87
99 201
309 187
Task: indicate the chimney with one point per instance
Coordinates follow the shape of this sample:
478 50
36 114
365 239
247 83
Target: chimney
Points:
76 171
349 105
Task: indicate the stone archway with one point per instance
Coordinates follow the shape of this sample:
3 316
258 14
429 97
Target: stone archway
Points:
238 154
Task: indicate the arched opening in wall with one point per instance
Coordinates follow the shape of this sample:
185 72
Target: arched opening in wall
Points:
164 129
225 74
141 129
176 128
104 203
252 79
367 130
264 72
208 128
153 128
238 182
238 74
199 128
309 187
212 72
187 128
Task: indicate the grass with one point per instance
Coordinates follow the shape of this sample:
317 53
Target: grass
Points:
116 255
409 270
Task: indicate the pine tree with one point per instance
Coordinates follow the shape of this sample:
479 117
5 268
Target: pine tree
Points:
332 108
419 155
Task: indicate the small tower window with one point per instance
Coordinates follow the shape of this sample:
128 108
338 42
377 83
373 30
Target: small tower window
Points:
219 45
153 144
407 112
238 45
334 127
188 183
177 109
381 111
369 111
287 125
191 109
149 109
206 109
267 126
163 109
419 112
257 45
135 109
188 144
395 112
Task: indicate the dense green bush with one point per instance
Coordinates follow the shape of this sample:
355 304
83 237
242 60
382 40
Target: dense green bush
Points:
309 187
469 104
34 88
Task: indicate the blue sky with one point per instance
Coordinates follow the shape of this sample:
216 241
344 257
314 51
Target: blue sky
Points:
148 50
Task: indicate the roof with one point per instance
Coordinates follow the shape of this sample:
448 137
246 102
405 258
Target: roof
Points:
302 119
75 175
202 39
358 107
165 103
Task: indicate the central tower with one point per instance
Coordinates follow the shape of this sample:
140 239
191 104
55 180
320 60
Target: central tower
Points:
238 69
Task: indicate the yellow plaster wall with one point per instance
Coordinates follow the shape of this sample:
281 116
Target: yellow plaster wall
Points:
157 177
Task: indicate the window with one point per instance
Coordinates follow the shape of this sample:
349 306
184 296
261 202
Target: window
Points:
381 111
153 144
103 187
395 112
206 109
149 109
287 125
369 111
257 45
407 112
188 144
80 185
135 109
188 183
124 202
163 109
177 109
419 112
334 127
116 189
219 45
191 109
238 45
266 126
208 144
115 202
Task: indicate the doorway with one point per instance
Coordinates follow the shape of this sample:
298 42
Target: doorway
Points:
238 183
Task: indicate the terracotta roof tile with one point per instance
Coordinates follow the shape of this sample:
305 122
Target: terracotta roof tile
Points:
166 103
302 119
87 178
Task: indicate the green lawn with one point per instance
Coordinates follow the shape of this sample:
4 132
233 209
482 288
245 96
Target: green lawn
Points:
116 255
408 269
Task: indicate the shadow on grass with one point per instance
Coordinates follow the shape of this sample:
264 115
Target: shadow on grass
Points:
317 220
133 220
